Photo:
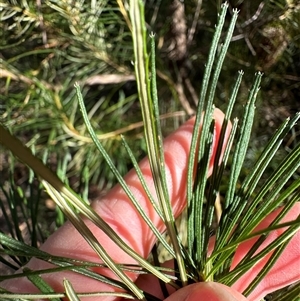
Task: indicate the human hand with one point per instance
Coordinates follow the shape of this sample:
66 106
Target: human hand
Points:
119 213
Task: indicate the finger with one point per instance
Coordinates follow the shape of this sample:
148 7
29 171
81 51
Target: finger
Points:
120 214
211 291
285 271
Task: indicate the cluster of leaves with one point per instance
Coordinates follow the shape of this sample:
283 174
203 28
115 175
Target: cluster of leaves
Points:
91 44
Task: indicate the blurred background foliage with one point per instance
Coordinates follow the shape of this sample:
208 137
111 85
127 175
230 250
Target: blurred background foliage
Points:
47 46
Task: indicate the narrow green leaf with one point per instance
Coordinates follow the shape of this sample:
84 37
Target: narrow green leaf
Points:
230 277
267 198
7 296
152 131
41 284
93 242
219 167
88 211
228 221
266 156
267 267
71 294
193 159
241 269
289 198
150 197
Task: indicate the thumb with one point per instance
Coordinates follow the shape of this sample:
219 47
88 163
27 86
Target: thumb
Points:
211 291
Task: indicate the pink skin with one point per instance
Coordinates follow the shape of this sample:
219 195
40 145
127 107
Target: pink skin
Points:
119 213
